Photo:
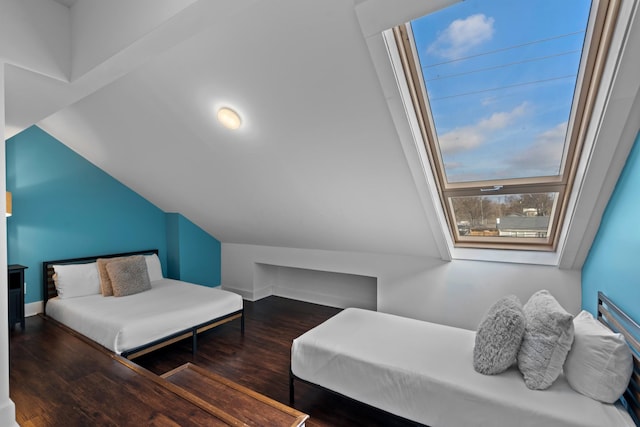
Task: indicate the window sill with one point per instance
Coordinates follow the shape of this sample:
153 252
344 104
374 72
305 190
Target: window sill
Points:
509 256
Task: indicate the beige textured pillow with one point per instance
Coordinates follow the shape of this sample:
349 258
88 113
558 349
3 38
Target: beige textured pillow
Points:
105 282
129 276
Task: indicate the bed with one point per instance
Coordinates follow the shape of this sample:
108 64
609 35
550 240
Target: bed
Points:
136 324
423 372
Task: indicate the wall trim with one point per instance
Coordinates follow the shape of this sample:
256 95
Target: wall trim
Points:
33 308
7 413
248 295
262 292
318 298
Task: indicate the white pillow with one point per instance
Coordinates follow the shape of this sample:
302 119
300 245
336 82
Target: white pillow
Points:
153 267
76 280
600 363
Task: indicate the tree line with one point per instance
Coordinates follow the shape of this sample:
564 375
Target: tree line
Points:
483 210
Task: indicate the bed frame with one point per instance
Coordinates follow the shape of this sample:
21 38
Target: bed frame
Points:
609 314
618 321
49 291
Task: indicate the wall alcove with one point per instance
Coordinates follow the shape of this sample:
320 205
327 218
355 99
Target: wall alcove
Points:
321 287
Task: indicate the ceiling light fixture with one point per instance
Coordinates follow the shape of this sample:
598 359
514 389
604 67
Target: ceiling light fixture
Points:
229 118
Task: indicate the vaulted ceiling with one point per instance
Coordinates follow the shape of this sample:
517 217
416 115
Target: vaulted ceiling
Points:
318 162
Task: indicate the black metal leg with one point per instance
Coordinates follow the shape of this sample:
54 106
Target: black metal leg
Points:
194 343
242 323
291 389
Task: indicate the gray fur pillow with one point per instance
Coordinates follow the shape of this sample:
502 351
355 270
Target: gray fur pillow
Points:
129 276
547 340
499 336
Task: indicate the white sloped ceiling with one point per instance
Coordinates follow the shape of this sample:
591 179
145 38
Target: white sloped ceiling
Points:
317 163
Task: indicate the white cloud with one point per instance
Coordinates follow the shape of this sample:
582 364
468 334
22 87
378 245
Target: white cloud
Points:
462 35
488 101
544 155
468 137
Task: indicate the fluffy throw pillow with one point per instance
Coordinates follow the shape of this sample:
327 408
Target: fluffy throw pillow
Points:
105 281
600 362
129 276
153 267
499 336
76 280
547 339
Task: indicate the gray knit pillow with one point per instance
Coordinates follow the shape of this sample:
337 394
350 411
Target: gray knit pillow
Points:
499 336
547 340
129 276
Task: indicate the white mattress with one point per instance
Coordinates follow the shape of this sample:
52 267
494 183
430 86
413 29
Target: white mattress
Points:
424 372
124 323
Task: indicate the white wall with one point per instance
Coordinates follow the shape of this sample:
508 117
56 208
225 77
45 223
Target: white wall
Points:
459 292
455 293
93 40
7 408
34 35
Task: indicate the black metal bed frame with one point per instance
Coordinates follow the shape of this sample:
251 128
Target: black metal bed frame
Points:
608 313
618 321
49 291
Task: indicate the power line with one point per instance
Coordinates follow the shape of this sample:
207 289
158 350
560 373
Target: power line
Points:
504 87
540 58
504 48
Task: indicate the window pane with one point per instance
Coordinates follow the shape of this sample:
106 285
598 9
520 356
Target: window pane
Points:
500 77
513 215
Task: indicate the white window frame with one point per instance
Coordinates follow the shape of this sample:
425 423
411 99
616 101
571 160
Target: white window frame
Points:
609 138
598 41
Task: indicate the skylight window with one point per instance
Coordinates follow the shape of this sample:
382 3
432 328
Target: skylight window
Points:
503 91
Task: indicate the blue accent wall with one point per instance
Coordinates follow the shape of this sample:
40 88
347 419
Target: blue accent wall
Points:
65 207
192 252
613 264
173 240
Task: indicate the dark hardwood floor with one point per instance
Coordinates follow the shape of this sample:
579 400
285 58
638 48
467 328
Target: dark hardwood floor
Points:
57 379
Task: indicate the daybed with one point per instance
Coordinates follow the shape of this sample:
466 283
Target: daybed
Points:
424 372
139 323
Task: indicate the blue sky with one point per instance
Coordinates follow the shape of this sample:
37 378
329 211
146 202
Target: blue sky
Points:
492 120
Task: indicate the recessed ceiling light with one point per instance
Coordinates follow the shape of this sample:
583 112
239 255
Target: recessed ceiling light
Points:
229 118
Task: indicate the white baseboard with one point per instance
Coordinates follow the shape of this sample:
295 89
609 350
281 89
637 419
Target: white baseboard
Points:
312 297
262 293
33 308
245 294
316 298
252 296
37 307
8 413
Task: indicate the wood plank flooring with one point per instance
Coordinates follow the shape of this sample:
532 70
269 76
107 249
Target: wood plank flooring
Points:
57 379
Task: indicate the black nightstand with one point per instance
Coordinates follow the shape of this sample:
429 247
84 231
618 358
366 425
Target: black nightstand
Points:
16 295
